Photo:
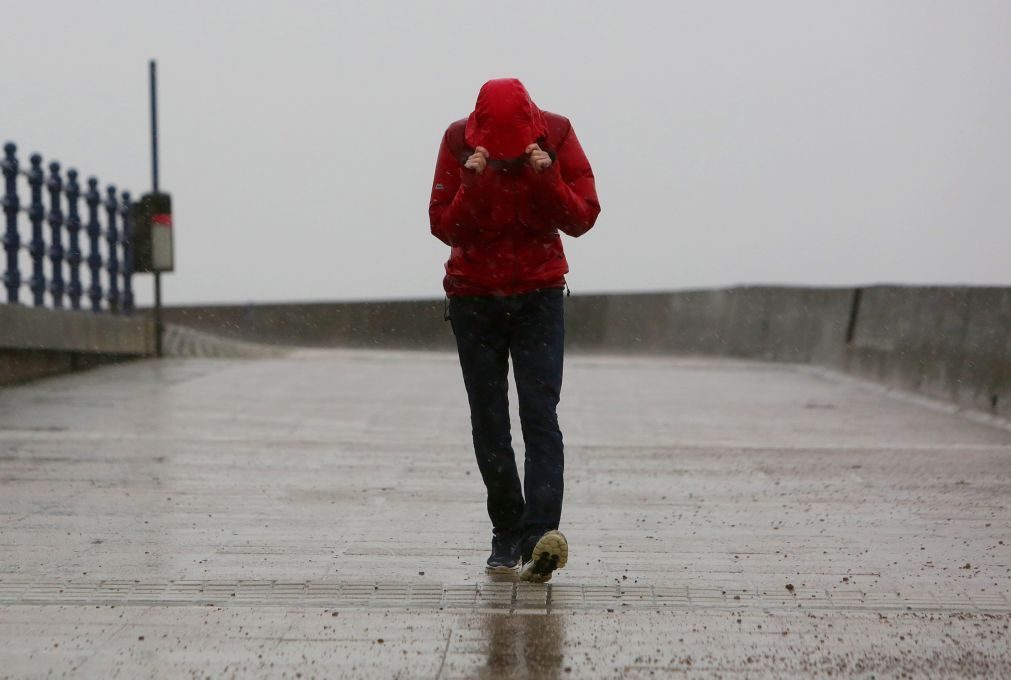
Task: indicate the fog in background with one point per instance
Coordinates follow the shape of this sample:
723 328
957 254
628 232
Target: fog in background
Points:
733 142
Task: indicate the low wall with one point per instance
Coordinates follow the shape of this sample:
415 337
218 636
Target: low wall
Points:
754 322
772 323
953 343
947 342
414 324
36 342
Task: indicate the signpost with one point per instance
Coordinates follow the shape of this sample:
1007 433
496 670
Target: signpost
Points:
151 219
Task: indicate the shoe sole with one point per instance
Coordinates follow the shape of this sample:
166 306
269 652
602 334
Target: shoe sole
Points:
550 553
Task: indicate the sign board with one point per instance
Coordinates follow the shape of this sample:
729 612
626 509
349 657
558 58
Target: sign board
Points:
151 234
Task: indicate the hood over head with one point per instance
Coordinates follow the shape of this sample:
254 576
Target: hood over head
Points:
505 120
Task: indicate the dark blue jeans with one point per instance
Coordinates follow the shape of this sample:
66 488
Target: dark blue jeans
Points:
529 327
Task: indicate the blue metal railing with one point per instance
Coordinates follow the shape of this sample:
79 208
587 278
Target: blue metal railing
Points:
110 268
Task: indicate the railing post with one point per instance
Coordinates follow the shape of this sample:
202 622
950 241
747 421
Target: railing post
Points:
11 240
127 239
94 256
112 238
74 229
55 186
37 246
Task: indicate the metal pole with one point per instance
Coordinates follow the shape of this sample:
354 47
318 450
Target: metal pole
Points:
154 129
154 187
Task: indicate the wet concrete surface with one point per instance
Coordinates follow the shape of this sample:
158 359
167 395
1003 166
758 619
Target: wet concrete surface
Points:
320 515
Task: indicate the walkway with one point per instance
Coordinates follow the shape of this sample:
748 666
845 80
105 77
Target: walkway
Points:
320 514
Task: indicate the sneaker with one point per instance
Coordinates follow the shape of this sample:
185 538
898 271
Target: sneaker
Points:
550 552
505 555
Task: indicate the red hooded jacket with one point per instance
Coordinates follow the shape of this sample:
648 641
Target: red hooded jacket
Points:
503 223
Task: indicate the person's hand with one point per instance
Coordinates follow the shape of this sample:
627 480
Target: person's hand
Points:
478 161
537 158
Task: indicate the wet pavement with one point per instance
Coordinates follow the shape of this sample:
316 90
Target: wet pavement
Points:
320 515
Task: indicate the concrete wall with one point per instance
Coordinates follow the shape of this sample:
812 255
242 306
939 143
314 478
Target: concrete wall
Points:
411 324
36 342
953 343
947 342
772 323
753 322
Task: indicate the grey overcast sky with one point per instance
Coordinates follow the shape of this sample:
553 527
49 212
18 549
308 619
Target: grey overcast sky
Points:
803 142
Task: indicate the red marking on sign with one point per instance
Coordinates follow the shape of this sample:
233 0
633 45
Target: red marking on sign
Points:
164 219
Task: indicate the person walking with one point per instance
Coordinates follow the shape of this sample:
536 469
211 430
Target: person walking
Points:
508 179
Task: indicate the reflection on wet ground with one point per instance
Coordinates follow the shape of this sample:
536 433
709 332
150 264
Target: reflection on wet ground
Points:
523 645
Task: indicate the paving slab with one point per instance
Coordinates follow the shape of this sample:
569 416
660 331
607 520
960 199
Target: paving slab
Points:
320 514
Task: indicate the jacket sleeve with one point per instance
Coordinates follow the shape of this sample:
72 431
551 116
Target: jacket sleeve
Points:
456 203
569 188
